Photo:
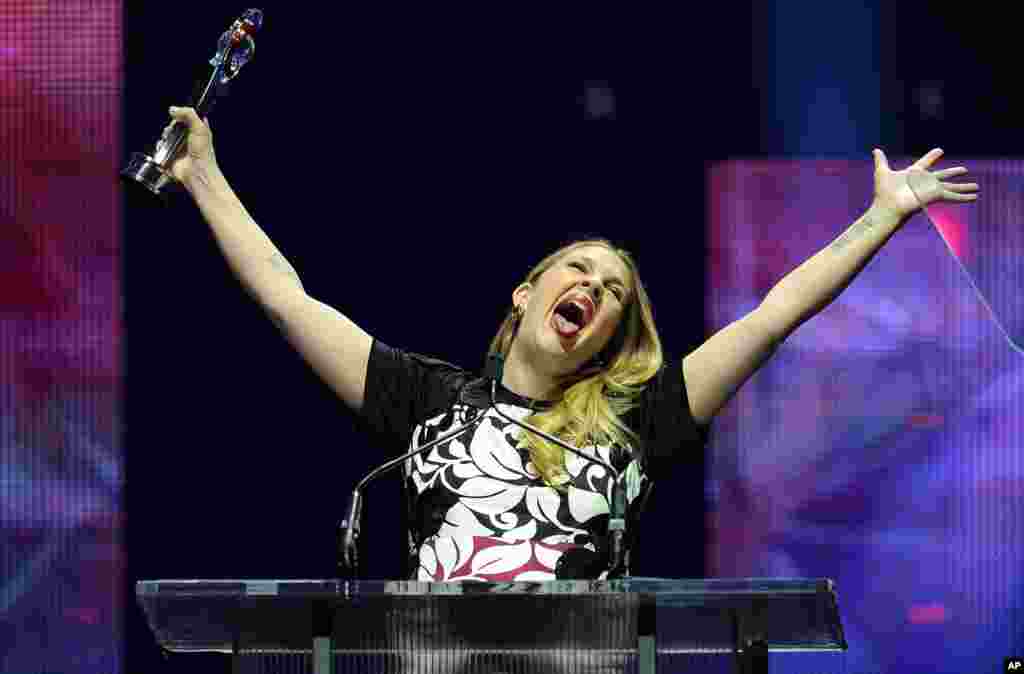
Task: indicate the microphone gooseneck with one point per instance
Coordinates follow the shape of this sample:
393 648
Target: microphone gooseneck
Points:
350 527
617 507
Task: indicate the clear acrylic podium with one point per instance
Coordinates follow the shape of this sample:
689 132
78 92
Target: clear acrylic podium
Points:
631 625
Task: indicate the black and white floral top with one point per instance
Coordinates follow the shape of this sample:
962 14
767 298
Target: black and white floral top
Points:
478 508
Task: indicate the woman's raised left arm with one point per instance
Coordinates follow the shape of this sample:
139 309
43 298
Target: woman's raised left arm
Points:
714 371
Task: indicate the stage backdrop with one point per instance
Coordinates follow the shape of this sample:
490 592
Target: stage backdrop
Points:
882 445
60 337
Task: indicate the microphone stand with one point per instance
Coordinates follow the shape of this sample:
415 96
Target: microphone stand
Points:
617 508
349 528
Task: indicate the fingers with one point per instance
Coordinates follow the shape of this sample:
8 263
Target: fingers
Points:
953 196
950 172
929 159
880 161
188 117
960 187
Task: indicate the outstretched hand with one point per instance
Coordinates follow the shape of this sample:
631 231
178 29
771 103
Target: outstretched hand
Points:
905 192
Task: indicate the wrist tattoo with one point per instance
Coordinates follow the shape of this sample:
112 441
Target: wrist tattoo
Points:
859 228
202 177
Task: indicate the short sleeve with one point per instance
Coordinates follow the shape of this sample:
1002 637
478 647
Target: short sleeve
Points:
669 435
403 389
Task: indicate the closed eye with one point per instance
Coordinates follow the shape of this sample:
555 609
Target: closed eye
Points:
615 289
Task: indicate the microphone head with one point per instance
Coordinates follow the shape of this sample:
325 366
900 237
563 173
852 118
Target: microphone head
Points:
494 367
579 564
348 536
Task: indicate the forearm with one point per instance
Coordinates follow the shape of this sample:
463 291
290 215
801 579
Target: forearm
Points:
813 285
254 259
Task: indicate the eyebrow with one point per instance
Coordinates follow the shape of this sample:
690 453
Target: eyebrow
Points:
615 279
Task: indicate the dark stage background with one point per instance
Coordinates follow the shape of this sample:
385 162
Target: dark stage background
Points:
412 170
412 165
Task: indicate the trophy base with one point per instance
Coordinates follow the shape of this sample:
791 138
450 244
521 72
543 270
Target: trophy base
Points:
146 172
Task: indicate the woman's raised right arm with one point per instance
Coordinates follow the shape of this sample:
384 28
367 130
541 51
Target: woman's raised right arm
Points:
337 349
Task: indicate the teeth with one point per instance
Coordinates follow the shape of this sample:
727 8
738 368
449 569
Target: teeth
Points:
583 309
573 312
565 326
578 316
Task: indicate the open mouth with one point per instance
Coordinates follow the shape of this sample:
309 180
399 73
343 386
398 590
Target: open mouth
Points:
572 315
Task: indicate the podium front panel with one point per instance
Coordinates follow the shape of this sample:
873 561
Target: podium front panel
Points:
403 625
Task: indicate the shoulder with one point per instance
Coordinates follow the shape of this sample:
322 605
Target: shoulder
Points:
664 401
667 381
429 379
390 356
404 388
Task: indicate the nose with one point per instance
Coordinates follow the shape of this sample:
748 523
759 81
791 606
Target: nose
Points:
593 289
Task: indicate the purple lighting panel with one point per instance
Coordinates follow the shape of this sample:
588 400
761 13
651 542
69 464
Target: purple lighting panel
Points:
61 473
883 444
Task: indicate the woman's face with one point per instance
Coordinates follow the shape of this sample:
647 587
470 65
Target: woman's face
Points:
574 308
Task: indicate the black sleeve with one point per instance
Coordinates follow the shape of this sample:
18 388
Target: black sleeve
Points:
403 389
669 435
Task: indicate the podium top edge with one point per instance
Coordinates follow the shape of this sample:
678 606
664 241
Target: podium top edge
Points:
354 588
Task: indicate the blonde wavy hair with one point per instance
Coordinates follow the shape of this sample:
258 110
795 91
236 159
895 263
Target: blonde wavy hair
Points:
591 408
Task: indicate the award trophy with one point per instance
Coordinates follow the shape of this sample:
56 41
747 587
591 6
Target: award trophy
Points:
234 49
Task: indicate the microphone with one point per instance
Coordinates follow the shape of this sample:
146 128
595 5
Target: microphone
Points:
617 508
349 528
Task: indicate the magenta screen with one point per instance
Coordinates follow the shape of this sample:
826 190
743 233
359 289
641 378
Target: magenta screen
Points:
61 476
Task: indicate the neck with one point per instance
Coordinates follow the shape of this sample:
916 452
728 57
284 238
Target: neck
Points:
523 379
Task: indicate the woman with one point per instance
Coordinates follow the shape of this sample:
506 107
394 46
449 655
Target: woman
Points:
583 362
